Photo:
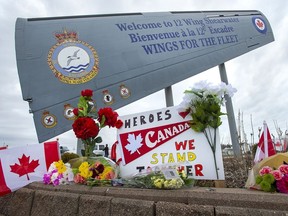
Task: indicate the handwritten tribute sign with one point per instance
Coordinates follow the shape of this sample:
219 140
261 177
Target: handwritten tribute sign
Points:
163 137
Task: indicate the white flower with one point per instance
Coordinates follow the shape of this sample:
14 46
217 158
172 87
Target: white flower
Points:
62 181
202 86
68 174
205 89
54 176
230 90
52 167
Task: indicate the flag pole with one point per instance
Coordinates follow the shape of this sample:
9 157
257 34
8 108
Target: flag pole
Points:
265 139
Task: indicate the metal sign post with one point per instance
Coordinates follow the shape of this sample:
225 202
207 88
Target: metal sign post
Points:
169 96
230 114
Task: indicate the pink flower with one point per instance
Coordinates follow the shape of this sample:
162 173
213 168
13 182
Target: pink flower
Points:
78 179
277 174
265 170
283 169
282 185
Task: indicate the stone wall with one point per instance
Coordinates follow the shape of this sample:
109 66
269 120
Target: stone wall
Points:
38 199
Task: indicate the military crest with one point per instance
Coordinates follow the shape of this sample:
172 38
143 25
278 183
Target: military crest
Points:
68 112
124 91
108 99
71 60
48 120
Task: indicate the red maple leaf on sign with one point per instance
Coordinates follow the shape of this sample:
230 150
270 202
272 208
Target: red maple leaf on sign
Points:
25 166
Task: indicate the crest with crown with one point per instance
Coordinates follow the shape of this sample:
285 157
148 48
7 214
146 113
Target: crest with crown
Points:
66 36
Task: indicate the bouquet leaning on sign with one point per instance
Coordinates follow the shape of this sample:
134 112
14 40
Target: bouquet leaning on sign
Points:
159 177
203 103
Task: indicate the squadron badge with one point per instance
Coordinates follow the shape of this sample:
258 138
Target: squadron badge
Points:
108 99
124 91
48 120
72 61
68 112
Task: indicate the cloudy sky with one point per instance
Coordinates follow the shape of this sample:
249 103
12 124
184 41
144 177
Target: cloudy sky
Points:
259 76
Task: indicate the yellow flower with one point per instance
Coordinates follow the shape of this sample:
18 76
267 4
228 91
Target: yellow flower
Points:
158 183
60 166
183 174
166 184
107 174
84 170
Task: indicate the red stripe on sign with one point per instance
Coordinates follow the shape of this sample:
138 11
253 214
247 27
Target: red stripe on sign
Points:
52 153
3 187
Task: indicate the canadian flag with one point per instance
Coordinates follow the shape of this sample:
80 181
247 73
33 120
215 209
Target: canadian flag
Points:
265 146
20 166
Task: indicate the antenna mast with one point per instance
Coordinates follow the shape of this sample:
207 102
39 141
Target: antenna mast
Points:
252 133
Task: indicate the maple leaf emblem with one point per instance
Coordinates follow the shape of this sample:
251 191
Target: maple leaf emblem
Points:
134 143
25 166
259 24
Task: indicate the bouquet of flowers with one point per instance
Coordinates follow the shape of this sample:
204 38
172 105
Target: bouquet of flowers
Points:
58 174
273 180
89 122
94 172
203 102
159 178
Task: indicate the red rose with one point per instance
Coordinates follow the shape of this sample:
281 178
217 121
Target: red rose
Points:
118 124
76 111
87 93
85 128
110 116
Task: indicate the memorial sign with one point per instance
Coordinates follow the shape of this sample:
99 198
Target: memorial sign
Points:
162 138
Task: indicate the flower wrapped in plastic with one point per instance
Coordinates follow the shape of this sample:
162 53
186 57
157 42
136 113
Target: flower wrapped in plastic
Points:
94 171
157 178
58 174
273 180
203 103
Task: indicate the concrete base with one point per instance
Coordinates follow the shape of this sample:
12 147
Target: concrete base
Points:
38 199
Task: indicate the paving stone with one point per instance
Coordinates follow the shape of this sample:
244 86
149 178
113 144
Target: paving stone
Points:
5 199
166 208
127 207
239 198
18 203
226 211
39 199
72 188
54 203
178 196
94 205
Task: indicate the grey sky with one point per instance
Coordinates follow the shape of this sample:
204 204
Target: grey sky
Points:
259 76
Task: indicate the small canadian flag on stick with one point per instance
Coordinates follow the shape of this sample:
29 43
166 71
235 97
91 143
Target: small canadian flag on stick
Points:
265 146
20 166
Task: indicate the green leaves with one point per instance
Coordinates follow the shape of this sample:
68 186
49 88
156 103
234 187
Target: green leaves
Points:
206 112
86 109
82 107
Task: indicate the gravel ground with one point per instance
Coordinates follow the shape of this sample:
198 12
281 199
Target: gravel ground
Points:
236 173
